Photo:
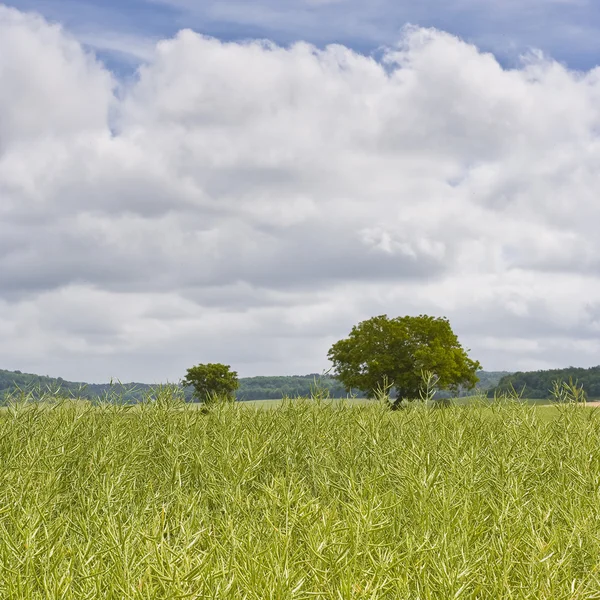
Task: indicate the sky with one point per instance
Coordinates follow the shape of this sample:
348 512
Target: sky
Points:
242 182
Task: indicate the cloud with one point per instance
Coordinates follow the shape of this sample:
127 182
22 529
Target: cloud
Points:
567 29
249 203
49 85
122 31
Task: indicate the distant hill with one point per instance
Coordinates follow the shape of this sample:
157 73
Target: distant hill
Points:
264 388
291 386
15 382
487 380
251 388
537 384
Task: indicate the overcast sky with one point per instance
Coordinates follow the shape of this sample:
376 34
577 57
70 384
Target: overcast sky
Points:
241 182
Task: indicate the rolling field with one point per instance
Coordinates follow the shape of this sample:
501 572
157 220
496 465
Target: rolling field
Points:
332 500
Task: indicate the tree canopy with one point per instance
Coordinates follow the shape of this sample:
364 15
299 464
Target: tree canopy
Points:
397 351
211 381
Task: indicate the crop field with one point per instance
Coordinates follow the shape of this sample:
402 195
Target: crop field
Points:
306 500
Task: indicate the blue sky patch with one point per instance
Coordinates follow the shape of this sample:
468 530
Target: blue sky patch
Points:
122 31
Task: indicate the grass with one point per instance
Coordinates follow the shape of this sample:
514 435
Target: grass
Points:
276 403
308 500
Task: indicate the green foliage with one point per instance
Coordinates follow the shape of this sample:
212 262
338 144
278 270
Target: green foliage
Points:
35 387
397 351
541 384
251 388
428 388
212 382
160 501
568 392
487 380
293 386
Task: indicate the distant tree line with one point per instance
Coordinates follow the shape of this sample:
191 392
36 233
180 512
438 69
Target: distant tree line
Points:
15 383
487 381
293 386
251 388
537 385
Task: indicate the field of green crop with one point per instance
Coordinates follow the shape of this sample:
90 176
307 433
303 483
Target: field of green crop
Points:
307 500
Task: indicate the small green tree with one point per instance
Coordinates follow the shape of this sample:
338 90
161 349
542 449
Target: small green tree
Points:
396 352
212 381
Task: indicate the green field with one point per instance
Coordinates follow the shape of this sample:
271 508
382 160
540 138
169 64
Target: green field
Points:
307 500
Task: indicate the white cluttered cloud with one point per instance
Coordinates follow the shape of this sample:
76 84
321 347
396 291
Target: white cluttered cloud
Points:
248 203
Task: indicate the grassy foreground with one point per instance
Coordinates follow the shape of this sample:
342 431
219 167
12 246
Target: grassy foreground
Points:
302 501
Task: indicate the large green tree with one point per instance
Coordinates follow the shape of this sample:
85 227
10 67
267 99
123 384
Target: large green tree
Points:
397 352
212 381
